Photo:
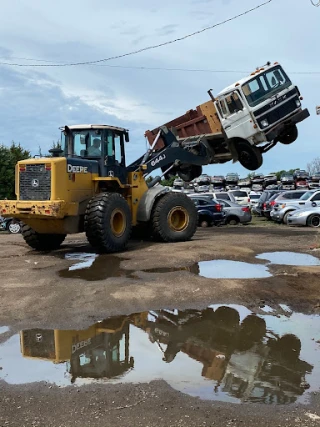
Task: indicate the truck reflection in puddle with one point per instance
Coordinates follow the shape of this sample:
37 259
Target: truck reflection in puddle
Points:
243 360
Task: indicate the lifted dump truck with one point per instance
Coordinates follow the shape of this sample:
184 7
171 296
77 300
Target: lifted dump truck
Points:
244 120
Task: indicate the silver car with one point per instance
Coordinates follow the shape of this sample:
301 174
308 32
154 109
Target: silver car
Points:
235 213
310 217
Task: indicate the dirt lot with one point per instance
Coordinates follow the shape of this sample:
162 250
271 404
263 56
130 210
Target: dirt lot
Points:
38 290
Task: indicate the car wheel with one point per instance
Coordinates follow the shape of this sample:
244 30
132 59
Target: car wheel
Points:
204 224
314 221
233 220
285 217
14 227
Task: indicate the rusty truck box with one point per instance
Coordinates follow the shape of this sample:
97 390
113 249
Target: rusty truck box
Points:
201 121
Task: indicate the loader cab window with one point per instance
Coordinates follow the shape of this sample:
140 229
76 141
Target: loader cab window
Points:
114 148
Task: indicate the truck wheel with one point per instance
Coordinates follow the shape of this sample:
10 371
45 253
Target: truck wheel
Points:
107 222
290 136
250 157
174 218
188 173
41 242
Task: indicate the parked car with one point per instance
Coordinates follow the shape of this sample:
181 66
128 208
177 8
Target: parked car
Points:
254 197
314 185
309 199
310 217
241 196
315 177
302 184
223 195
236 213
257 187
300 174
265 196
290 195
10 224
268 205
210 212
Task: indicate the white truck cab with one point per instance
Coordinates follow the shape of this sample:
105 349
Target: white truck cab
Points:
263 107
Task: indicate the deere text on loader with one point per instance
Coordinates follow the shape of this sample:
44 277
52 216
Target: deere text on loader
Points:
86 186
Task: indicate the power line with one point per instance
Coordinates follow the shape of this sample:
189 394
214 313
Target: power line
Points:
315 4
142 49
196 70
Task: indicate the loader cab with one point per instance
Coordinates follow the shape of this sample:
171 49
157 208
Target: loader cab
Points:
103 145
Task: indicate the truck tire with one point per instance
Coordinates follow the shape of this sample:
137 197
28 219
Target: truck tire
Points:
188 173
289 136
107 222
41 242
249 156
174 218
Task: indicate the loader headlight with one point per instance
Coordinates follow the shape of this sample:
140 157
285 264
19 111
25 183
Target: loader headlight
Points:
298 103
264 123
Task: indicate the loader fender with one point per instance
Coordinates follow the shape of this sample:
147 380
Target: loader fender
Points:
147 201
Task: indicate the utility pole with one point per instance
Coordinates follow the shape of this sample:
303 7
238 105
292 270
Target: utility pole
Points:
318 110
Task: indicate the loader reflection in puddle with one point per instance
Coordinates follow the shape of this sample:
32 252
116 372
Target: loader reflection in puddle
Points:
242 359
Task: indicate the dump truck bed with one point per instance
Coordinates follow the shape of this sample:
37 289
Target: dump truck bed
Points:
202 121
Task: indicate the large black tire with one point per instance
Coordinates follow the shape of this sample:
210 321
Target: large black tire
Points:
249 156
188 173
314 221
107 222
41 242
289 136
174 218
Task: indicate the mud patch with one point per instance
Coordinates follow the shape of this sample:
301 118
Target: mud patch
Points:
224 353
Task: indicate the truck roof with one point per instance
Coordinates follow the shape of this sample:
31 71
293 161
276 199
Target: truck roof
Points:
245 79
88 126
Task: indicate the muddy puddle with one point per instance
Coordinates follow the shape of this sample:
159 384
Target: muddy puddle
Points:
91 267
3 329
223 353
289 258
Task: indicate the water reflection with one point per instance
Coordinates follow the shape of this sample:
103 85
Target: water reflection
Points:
243 360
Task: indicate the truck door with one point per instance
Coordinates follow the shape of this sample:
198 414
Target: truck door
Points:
236 120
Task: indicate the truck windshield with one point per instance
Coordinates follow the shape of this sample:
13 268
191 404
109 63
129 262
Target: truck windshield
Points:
265 85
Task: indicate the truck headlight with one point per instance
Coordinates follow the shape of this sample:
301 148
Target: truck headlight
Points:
298 103
264 123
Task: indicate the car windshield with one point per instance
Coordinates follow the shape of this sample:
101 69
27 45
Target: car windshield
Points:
265 85
239 193
307 195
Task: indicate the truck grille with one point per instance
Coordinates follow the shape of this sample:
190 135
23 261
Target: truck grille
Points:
35 183
280 112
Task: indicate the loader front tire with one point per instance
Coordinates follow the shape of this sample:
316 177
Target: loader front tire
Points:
41 242
174 218
107 222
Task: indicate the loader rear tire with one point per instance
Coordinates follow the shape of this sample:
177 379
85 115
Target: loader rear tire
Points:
41 242
174 218
107 222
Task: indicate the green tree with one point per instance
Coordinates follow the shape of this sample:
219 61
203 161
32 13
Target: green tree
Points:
168 182
9 156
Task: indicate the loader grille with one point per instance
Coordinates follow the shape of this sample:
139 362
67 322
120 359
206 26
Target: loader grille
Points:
35 183
39 343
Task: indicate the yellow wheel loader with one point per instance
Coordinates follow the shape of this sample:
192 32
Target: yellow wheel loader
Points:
86 186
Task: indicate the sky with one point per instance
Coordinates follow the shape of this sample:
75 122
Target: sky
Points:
36 101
